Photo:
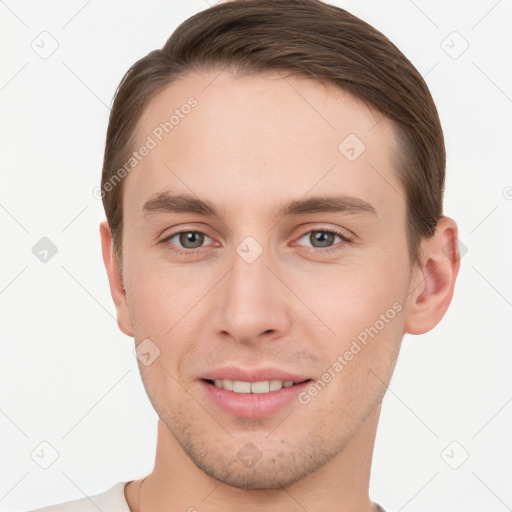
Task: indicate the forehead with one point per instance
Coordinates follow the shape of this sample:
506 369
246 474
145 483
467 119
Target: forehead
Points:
255 138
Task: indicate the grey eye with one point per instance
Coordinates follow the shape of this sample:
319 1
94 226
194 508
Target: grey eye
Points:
321 238
191 239
324 238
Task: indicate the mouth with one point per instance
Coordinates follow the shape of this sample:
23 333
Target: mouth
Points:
253 398
258 387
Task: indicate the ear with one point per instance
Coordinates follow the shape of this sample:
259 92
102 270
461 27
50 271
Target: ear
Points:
115 279
432 284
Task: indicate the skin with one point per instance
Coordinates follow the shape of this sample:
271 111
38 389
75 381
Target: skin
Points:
251 143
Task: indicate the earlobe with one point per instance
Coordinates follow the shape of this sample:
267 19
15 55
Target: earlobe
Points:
432 285
115 279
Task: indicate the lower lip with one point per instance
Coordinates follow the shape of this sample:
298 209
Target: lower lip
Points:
252 405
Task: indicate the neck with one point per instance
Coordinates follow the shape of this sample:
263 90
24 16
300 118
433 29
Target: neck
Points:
176 483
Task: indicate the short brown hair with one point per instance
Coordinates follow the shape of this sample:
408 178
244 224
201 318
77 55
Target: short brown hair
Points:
313 40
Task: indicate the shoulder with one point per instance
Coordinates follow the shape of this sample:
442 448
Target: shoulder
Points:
111 500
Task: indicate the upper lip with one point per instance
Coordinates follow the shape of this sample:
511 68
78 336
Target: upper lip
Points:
252 375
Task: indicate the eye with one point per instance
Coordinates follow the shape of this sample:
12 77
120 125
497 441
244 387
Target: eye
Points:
188 240
323 239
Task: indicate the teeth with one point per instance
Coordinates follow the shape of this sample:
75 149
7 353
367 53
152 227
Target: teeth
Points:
264 386
275 385
260 387
240 386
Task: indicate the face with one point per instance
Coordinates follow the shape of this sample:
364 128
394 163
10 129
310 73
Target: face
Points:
288 261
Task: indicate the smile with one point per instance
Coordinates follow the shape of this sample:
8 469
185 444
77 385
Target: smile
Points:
252 399
263 386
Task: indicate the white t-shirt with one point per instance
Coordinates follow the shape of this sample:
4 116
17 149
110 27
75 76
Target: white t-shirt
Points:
112 500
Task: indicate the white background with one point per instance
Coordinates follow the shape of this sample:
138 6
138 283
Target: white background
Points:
68 376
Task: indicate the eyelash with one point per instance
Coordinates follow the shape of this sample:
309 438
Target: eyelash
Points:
343 237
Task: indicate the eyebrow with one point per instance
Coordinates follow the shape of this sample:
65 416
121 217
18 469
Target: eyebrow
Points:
166 202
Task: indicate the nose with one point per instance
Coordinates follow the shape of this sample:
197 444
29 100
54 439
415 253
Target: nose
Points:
252 302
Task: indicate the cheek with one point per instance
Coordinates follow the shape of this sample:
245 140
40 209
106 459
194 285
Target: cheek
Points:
350 297
364 307
167 299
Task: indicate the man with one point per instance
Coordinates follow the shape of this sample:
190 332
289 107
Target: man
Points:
273 183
